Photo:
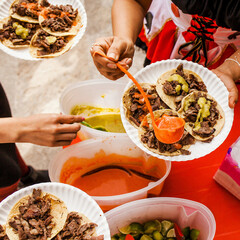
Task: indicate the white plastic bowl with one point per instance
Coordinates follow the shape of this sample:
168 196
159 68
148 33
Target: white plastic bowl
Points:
121 145
182 211
98 92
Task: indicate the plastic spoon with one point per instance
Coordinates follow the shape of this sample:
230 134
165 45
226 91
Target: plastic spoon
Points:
169 133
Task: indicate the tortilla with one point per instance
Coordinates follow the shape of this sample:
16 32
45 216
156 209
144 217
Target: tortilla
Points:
58 211
21 18
220 121
74 221
169 99
3 234
127 100
142 130
73 31
34 50
7 42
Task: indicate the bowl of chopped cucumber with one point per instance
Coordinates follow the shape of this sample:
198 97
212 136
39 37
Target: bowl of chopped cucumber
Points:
161 218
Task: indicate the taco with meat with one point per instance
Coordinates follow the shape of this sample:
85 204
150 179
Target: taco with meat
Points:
175 84
3 234
15 33
25 10
60 20
45 45
204 117
78 226
148 139
37 216
135 106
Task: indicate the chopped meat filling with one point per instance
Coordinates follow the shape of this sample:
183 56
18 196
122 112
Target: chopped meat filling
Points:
44 3
49 44
19 33
27 8
60 18
150 139
74 228
3 235
207 124
169 87
34 220
152 142
138 108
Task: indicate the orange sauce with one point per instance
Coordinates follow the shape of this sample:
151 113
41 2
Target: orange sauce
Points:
111 181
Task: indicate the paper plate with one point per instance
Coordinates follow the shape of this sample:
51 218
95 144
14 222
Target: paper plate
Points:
74 198
215 88
23 53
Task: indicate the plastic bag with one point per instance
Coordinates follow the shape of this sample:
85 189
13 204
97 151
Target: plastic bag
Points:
228 174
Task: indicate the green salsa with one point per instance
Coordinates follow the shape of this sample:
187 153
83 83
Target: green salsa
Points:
92 110
106 122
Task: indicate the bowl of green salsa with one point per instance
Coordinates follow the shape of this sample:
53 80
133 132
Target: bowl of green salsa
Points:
98 101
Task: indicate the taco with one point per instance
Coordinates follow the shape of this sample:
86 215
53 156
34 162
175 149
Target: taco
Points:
44 45
60 20
134 103
3 235
148 139
78 226
25 10
36 216
174 85
204 117
16 34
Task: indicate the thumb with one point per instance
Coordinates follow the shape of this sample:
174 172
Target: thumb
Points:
231 87
114 50
233 95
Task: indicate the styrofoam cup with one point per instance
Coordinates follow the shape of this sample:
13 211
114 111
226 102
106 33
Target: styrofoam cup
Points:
121 145
97 92
181 211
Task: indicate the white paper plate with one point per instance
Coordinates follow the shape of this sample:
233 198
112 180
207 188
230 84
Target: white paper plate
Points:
215 88
74 198
23 53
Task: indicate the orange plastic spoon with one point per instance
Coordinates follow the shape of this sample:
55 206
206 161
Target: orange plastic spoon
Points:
170 129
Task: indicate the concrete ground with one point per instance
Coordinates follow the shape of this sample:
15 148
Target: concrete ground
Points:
35 87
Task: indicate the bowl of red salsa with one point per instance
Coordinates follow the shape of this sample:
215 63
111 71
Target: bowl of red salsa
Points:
112 170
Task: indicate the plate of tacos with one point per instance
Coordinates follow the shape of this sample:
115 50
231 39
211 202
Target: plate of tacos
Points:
52 211
182 89
37 29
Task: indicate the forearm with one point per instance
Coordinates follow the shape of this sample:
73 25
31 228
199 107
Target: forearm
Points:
231 67
10 130
127 17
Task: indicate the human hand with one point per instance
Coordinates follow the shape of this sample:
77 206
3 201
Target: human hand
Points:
228 81
118 50
49 129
